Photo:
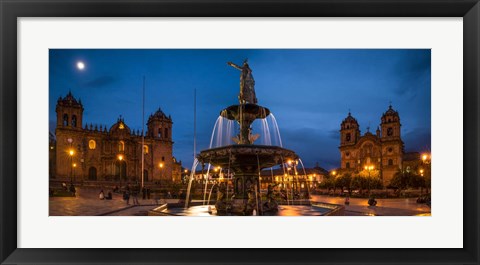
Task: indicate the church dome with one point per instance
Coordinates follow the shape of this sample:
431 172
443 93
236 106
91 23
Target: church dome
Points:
119 127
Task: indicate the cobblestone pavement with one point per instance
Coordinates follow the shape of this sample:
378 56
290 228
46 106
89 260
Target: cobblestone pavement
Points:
86 203
387 207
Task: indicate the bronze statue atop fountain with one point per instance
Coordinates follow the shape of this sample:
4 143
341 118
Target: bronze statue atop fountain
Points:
247 83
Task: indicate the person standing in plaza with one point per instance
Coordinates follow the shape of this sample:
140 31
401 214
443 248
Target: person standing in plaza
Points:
135 191
126 194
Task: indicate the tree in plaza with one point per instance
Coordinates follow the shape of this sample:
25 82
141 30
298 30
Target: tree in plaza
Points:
399 181
372 179
415 181
330 183
344 182
404 179
359 182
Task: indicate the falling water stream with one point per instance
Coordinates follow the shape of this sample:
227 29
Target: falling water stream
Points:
224 130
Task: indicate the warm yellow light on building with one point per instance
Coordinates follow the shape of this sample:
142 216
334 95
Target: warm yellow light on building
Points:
120 157
424 157
92 144
186 170
334 172
74 165
160 165
71 152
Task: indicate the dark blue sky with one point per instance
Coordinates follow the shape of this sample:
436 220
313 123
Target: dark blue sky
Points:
309 91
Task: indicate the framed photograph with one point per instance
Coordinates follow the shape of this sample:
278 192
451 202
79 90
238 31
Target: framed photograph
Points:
224 132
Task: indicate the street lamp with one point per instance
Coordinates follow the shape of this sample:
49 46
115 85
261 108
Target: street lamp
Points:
74 166
426 160
161 169
369 169
120 159
71 152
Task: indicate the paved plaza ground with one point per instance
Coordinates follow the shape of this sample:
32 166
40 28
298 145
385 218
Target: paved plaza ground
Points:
384 207
86 203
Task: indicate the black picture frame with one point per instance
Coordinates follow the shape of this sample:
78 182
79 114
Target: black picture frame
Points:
11 10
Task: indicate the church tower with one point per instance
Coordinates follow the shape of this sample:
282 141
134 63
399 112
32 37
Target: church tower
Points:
349 131
69 112
349 136
160 126
390 125
392 144
160 130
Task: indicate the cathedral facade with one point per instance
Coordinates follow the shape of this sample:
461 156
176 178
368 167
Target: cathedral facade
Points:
95 153
382 151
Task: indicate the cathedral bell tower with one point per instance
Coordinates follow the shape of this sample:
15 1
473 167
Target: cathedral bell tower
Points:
69 112
349 131
160 126
390 125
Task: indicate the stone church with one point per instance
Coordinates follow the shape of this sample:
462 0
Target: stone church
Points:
383 150
94 152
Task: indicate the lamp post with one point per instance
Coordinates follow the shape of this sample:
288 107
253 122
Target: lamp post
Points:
120 159
369 169
334 173
161 170
71 152
426 160
74 166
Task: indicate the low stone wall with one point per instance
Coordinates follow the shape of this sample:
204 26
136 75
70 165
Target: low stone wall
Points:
158 211
335 209
339 211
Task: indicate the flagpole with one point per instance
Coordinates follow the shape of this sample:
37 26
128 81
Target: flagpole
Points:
143 134
194 123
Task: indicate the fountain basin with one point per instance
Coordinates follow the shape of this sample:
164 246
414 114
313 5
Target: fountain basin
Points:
246 158
253 111
283 210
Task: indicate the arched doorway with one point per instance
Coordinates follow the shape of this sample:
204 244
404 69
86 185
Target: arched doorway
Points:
145 175
92 173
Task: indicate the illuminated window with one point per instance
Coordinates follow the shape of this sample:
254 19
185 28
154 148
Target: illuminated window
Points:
121 146
92 144
121 126
145 149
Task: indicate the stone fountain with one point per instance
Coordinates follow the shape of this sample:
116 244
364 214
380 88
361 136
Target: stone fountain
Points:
244 160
